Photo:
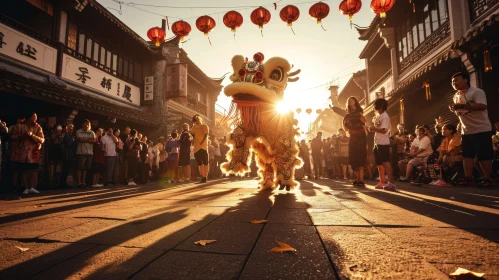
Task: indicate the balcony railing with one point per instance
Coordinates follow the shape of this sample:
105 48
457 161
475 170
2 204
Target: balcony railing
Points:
435 39
380 80
481 8
26 30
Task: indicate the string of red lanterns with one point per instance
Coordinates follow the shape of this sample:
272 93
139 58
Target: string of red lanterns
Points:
261 16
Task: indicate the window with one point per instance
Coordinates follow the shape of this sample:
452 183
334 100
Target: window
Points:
81 43
96 52
120 65
434 18
89 48
427 20
115 64
410 46
442 8
125 67
108 59
72 35
102 56
415 40
131 70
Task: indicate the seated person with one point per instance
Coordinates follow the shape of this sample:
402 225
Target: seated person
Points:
418 154
449 151
411 146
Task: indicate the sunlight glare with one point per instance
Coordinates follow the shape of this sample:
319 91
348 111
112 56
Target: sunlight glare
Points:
282 107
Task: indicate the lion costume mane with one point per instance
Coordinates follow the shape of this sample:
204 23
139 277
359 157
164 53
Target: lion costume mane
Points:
259 129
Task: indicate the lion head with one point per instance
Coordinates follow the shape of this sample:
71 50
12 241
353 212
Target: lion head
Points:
259 81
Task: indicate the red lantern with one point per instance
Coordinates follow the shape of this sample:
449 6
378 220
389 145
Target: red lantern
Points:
156 35
260 17
298 110
205 24
350 7
381 6
233 20
309 111
289 14
319 11
181 29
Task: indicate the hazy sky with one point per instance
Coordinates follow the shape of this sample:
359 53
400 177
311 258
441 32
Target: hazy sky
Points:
321 55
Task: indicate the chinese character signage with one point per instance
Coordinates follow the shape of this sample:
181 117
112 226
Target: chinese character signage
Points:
21 47
148 88
176 80
85 75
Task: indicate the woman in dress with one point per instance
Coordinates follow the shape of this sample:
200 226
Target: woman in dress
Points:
354 122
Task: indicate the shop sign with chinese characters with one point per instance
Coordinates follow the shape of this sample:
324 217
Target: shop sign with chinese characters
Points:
92 77
19 46
176 80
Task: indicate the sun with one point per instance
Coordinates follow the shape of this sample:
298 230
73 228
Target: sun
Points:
282 107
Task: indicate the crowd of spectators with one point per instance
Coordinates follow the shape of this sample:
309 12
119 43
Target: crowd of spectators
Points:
95 157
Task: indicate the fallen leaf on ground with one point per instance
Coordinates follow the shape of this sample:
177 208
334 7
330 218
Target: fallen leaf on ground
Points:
204 242
462 273
22 249
258 221
283 247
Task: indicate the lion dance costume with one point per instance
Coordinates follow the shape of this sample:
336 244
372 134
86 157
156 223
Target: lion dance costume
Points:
259 129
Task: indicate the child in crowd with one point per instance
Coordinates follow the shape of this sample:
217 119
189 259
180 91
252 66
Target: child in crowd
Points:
382 128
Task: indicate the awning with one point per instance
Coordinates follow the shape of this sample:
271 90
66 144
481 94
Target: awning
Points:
57 92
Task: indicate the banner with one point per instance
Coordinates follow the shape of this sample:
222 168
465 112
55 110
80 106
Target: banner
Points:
176 80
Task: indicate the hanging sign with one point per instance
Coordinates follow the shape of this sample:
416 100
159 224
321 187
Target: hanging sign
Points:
176 80
19 46
148 88
88 76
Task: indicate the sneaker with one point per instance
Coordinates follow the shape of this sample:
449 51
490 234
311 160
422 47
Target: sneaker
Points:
95 186
203 180
441 183
379 186
390 187
26 191
132 184
360 184
32 190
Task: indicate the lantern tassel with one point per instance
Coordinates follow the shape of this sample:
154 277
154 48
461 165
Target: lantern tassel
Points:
292 30
234 37
210 41
261 32
323 28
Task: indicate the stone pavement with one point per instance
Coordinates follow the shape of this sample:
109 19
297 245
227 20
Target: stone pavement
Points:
340 232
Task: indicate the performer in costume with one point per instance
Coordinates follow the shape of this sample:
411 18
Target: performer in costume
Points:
259 128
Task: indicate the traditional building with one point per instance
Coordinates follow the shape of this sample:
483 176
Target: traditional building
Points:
412 53
73 60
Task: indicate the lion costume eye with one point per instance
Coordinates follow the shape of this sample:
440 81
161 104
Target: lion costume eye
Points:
277 74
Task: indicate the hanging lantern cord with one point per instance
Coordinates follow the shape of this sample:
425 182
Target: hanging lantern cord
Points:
292 30
210 41
323 27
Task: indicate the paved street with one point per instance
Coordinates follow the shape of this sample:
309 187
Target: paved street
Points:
148 232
